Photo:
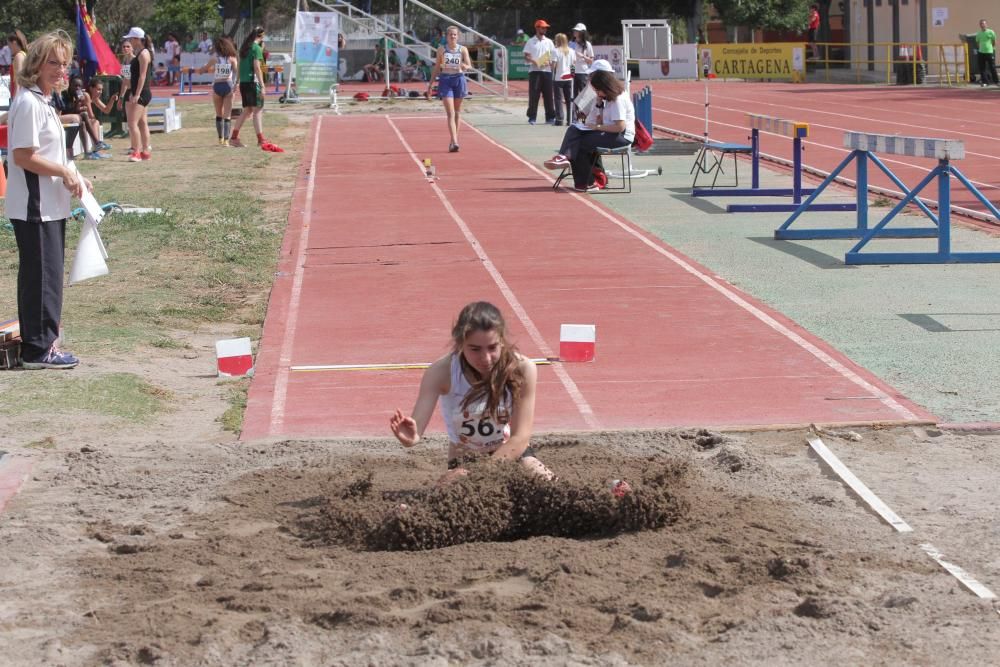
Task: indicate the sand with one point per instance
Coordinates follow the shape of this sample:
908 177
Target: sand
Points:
738 548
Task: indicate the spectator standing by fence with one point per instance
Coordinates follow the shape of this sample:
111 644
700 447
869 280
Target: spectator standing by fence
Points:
539 53
986 44
813 30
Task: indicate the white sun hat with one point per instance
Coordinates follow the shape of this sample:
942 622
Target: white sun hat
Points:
601 66
136 32
579 27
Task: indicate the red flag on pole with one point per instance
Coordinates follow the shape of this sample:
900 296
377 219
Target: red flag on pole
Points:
91 45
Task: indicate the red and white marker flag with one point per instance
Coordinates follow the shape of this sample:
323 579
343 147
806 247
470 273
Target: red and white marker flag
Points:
577 342
234 357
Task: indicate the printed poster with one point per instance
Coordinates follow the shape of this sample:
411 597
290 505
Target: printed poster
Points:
316 51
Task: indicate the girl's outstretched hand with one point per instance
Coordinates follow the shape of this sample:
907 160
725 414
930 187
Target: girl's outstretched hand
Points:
404 428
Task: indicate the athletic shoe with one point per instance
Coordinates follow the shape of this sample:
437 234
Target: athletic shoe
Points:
589 188
270 148
531 121
236 143
452 148
102 146
130 152
224 142
557 162
93 156
135 157
146 155
52 359
557 122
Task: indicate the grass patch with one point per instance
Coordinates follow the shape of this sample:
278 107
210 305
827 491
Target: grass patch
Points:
232 418
122 395
882 202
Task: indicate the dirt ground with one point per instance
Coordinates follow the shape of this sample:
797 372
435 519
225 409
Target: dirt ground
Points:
174 544
180 546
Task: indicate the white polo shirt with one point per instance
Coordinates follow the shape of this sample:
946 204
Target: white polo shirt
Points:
34 123
619 109
543 50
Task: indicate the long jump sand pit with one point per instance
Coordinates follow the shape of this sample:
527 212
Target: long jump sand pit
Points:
731 549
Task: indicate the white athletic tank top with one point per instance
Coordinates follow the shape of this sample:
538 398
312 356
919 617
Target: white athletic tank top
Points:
468 427
452 61
224 71
127 71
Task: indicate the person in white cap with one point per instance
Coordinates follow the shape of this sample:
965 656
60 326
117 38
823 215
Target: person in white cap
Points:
584 57
540 53
141 73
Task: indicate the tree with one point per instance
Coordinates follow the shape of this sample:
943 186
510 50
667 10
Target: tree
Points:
184 17
765 14
115 17
35 17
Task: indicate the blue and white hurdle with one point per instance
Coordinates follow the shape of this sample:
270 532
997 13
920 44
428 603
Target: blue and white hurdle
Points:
863 148
796 131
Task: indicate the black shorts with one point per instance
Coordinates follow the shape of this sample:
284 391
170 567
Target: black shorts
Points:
812 35
248 93
469 458
144 98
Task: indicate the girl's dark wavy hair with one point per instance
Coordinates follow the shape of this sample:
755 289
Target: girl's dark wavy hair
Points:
506 375
251 36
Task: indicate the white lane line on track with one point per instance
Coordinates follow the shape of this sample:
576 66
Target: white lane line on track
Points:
840 149
582 406
858 486
763 317
812 111
291 318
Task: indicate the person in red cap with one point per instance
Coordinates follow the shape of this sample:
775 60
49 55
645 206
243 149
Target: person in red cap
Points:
540 53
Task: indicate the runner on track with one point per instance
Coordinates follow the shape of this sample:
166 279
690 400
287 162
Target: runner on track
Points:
452 62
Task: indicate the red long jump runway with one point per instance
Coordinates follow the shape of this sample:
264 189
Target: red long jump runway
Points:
377 262
969 114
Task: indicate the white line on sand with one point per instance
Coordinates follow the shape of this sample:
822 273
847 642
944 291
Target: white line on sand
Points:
858 486
582 406
967 580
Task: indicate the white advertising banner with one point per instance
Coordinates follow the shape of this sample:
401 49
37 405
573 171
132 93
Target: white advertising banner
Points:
683 65
316 51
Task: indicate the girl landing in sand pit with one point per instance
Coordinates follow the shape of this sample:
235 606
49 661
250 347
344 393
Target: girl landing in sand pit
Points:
486 390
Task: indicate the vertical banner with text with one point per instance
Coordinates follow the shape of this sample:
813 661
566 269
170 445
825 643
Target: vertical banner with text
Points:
316 51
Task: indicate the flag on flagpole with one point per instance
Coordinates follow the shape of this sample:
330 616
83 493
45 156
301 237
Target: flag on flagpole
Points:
91 46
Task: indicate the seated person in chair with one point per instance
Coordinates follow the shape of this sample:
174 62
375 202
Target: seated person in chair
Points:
610 123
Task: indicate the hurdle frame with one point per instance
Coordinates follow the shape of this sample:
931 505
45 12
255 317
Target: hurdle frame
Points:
794 130
863 146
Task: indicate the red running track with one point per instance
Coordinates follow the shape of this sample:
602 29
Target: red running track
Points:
377 262
969 114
